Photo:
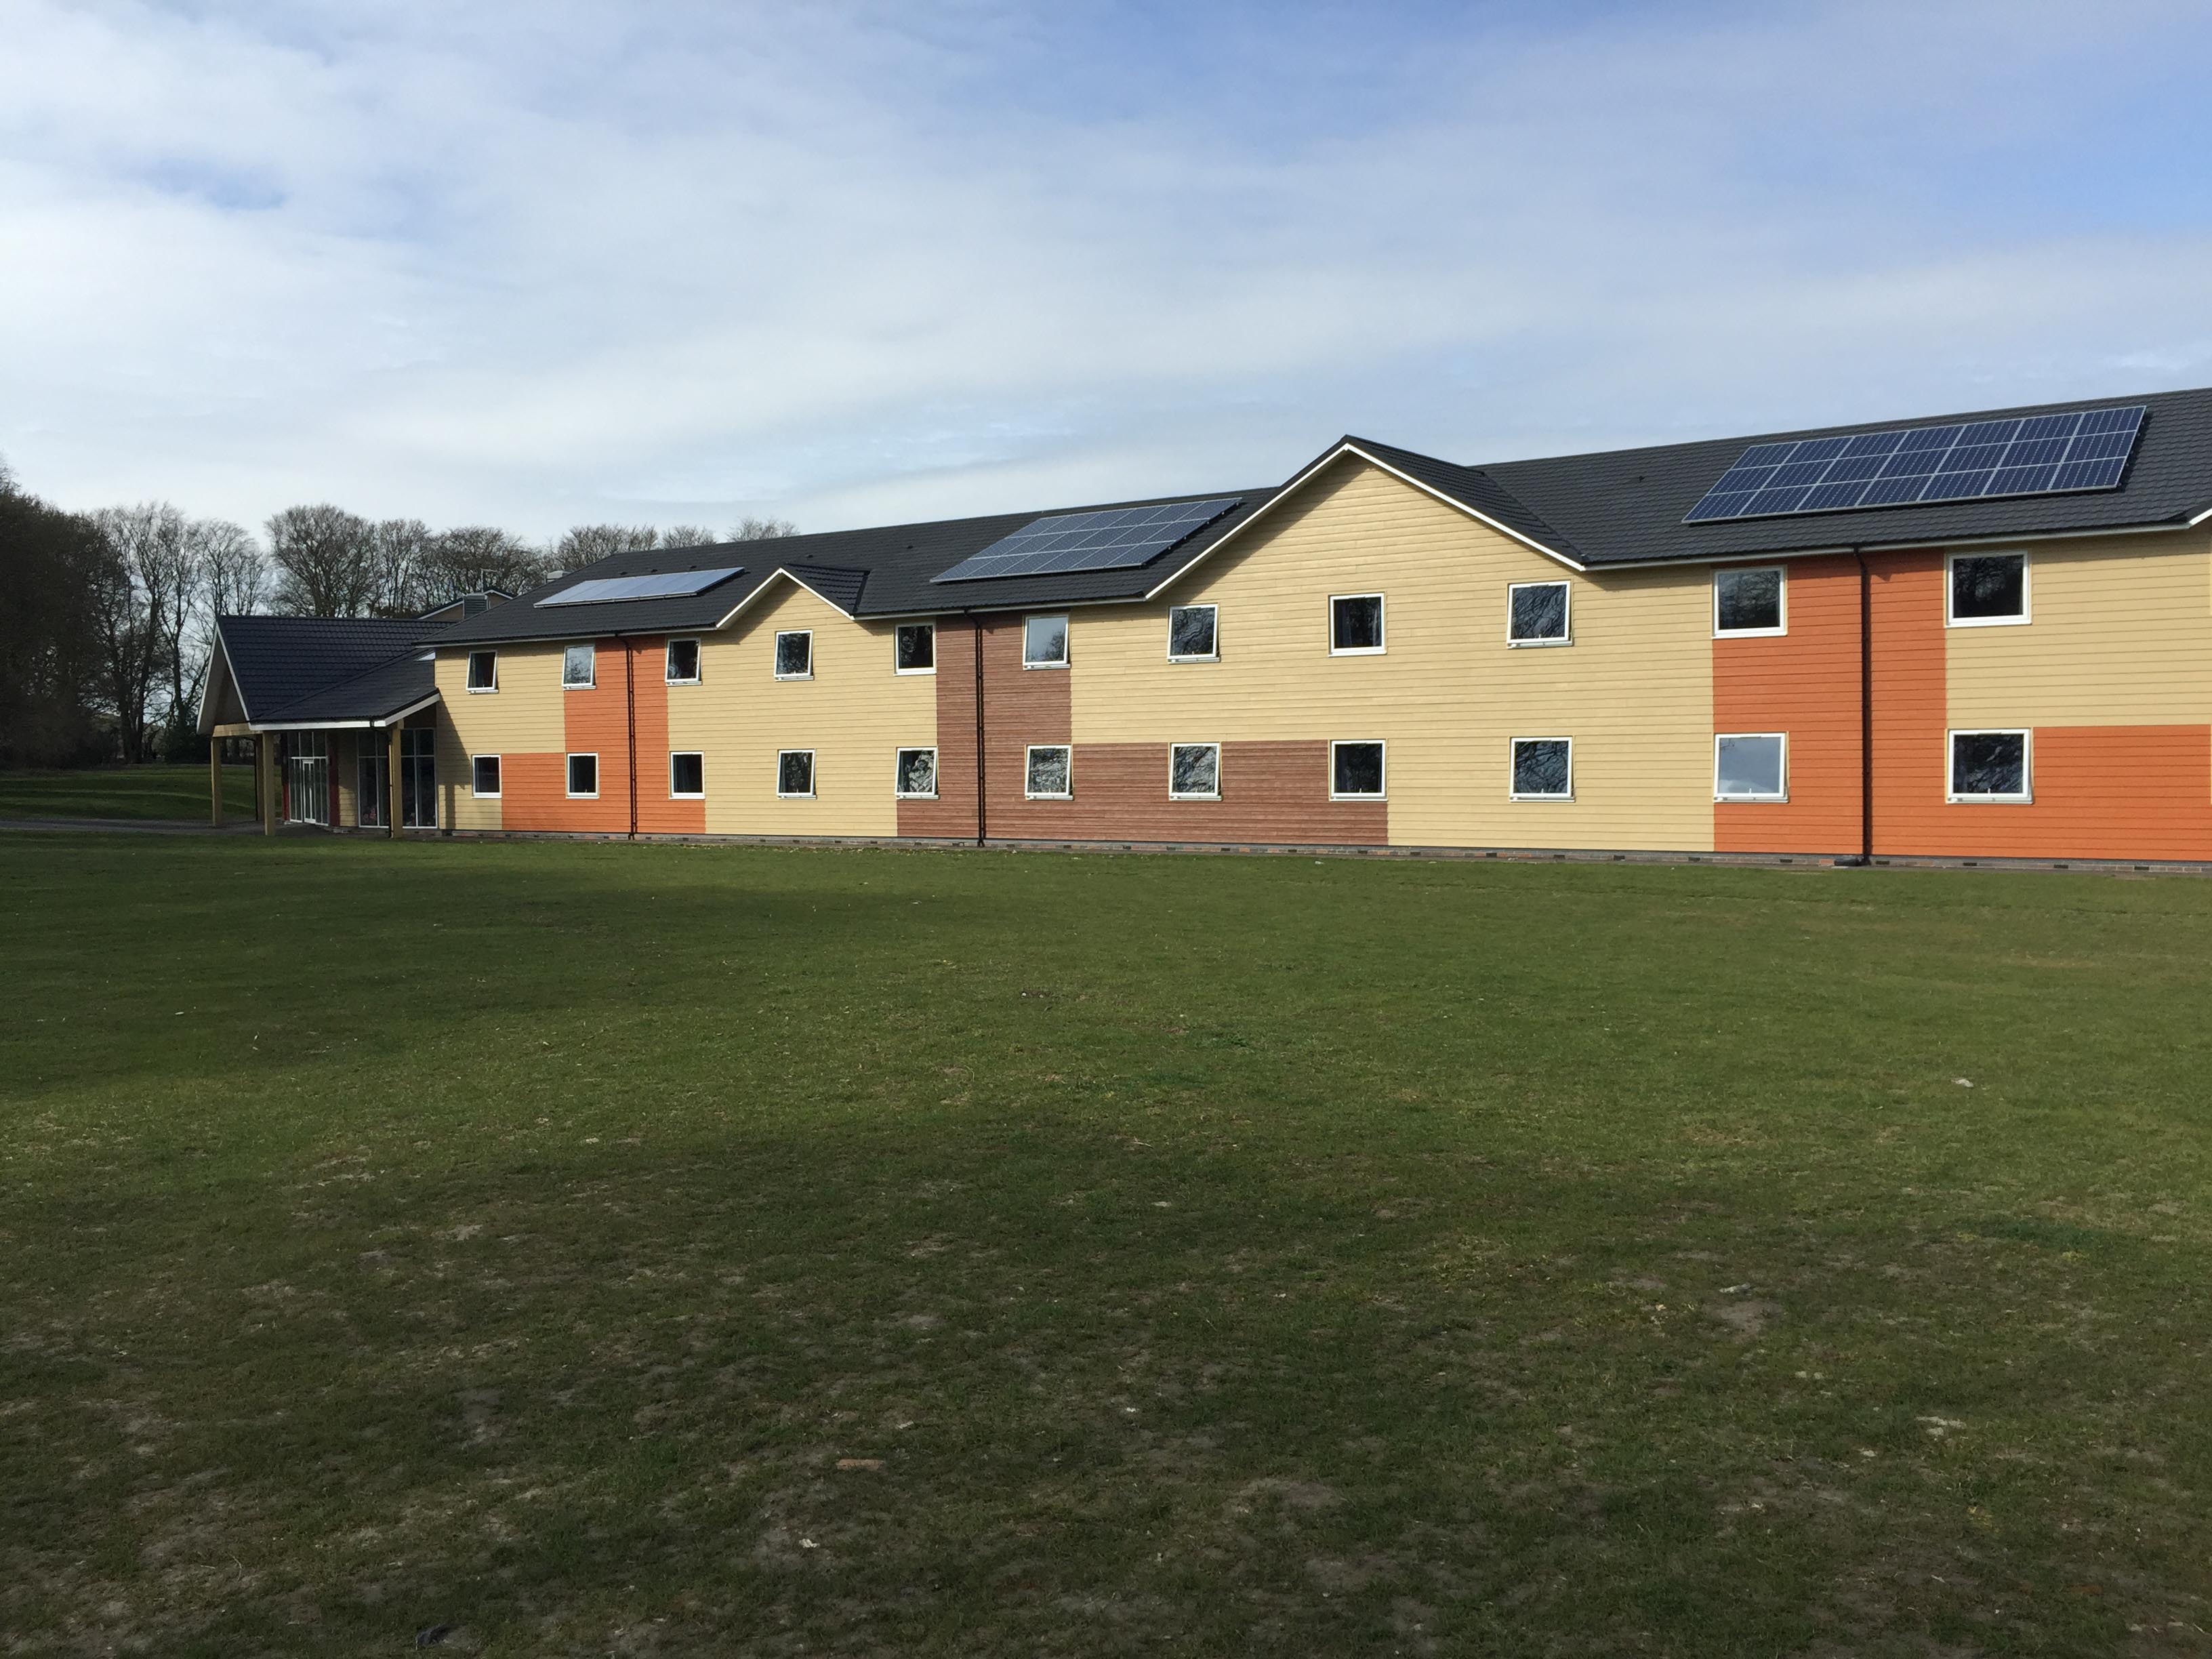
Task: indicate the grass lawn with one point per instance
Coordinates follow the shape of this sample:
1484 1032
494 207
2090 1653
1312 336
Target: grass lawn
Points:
125 792
608 1249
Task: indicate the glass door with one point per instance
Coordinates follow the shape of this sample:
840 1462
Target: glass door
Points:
375 784
418 777
307 778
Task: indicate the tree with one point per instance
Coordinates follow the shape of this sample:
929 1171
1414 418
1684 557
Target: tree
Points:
324 561
399 563
50 646
749 529
587 543
140 598
229 578
686 535
473 557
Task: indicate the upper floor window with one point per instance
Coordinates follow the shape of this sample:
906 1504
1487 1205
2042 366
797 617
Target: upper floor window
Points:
913 648
794 655
577 664
1355 624
1044 643
1191 636
483 671
1536 613
1988 589
1747 601
684 662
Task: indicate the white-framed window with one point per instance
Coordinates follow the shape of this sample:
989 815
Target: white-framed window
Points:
794 654
1044 642
1355 771
483 671
682 662
1193 634
915 777
1985 590
1751 766
484 777
1991 766
687 776
1048 772
578 663
794 772
1195 771
1543 769
1355 624
913 648
1750 601
1536 613
583 777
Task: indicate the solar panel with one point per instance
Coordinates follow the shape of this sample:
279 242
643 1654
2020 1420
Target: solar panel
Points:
1116 539
662 584
2034 455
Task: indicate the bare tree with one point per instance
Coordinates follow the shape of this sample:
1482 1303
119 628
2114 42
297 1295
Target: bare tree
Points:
324 560
473 557
686 535
749 529
139 599
399 557
587 543
236 571
229 578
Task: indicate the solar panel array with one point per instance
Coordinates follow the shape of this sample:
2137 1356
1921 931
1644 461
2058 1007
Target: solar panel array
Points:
1116 539
662 585
2033 455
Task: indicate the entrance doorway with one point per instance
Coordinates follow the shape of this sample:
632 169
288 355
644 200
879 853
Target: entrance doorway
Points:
419 778
374 792
307 777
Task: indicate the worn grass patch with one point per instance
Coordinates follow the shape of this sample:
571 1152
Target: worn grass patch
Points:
595 1248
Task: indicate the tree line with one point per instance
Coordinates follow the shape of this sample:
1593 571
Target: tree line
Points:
107 617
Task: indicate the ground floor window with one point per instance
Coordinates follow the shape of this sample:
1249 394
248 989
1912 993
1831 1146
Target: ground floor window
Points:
1751 766
483 776
687 777
1050 773
794 772
1543 769
1355 771
1195 771
917 775
1990 766
583 777
419 778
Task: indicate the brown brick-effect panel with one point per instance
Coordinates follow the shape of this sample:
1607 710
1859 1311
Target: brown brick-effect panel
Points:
1021 706
1273 793
952 814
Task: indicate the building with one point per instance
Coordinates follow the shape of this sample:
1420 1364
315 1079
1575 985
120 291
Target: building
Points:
1976 636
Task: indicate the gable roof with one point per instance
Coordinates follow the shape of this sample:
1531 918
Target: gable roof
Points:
299 669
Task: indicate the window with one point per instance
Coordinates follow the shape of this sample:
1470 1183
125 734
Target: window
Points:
1049 773
1988 589
1044 643
484 777
1195 771
684 662
1747 602
483 671
583 777
687 777
913 648
1191 634
576 665
794 772
1536 613
1543 769
1989 766
1355 771
794 655
1355 624
917 775
1751 766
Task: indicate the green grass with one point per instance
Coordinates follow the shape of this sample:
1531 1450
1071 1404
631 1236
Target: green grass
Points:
1203 1255
124 792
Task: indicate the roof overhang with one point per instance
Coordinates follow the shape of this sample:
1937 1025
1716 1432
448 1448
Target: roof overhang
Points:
365 723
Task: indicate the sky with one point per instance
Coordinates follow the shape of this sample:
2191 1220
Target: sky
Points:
553 262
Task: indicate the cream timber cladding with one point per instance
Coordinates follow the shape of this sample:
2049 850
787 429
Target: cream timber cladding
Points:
525 715
1633 688
854 711
2119 633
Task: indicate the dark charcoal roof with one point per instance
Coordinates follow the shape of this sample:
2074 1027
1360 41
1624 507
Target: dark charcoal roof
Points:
888 569
1626 505
281 662
374 694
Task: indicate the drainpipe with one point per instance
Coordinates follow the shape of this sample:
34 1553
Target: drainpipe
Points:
630 700
1866 709
981 821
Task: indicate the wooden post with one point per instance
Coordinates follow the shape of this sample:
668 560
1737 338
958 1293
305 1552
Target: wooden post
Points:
391 783
215 780
266 770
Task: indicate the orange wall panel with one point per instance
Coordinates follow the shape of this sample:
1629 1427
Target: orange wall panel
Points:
658 814
533 791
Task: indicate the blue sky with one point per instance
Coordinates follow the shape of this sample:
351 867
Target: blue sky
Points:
545 263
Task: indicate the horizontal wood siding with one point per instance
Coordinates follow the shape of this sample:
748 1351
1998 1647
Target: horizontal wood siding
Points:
952 814
1805 683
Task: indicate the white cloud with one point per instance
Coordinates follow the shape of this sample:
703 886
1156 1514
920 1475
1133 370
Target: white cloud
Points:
538 264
